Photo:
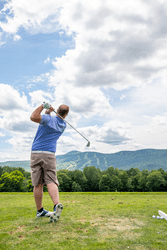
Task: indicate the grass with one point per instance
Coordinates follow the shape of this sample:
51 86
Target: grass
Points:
88 221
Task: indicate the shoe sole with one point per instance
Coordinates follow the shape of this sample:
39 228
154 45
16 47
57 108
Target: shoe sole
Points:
55 217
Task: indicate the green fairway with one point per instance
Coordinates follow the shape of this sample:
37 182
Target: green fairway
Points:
88 221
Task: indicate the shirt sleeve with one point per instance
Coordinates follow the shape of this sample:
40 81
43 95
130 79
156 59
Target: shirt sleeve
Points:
45 119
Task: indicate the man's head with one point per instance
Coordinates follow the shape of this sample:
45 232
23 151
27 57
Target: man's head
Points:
48 111
63 110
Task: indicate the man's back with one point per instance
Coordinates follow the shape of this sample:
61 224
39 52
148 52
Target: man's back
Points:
49 131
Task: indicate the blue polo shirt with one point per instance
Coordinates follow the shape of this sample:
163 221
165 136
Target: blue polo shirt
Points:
49 131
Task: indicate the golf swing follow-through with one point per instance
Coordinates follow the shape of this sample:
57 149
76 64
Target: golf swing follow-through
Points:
88 144
43 160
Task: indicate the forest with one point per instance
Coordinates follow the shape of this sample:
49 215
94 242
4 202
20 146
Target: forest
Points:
91 179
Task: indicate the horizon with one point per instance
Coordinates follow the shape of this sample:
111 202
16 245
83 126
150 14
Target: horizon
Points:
91 152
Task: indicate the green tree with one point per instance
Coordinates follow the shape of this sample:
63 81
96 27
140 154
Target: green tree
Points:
7 169
132 172
11 182
79 177
1 170
76 187
29 186
135 181
110 171
92 175
5 183
117 171
104 184
155 181
60 183
115 184
124 179
143 180
65 182
129 185
162 171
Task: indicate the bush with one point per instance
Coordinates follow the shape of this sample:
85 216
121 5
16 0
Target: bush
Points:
11 182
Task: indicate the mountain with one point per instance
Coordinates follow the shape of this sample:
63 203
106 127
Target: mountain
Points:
17 164
142 159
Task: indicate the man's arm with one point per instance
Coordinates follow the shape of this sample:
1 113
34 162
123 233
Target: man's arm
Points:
36 115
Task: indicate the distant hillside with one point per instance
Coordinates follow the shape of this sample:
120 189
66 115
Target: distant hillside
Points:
142 159
17 164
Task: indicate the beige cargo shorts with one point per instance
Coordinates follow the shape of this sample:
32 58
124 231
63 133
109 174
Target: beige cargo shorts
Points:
43 169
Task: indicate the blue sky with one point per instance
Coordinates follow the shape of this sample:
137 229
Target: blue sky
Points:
104 59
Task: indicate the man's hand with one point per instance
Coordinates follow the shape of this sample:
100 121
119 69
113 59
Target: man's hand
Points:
51 109
48 111
46 105
36 115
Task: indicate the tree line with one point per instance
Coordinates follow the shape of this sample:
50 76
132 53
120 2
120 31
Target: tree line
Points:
91 179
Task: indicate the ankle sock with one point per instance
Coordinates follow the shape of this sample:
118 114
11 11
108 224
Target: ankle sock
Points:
54 207
40 210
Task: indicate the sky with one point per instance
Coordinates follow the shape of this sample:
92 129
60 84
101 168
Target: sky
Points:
105 59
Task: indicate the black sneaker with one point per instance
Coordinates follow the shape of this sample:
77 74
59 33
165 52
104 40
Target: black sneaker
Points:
44 213
57 212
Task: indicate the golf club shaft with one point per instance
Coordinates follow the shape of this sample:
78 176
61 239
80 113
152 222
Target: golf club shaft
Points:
71 126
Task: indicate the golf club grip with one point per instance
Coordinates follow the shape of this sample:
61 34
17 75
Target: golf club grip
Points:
70 125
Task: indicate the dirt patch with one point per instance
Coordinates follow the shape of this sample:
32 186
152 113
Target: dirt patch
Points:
18 230
121 224
82 229
72 201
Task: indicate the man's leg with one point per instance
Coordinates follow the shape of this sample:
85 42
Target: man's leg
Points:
53 192
38 195
58 207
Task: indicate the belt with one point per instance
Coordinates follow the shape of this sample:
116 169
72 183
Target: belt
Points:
45 152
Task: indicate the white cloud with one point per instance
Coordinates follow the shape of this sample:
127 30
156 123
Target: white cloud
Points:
113 132
127 38
17 121
119 45
11 98
21 142
1 43
149 100
87 101
22 14
17 38
41 78
114 56
66 144
2 134
47 60
160 120
39 96
4 156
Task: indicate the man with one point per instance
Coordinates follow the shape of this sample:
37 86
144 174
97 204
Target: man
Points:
43 161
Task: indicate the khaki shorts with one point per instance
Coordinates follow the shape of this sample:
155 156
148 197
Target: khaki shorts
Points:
43 169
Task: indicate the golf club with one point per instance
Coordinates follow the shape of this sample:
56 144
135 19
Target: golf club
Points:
88 144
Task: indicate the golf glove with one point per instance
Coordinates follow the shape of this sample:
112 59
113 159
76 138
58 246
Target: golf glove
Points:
46 105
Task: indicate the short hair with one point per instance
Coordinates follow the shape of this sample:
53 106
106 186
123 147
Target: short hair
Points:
47 112
63 110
